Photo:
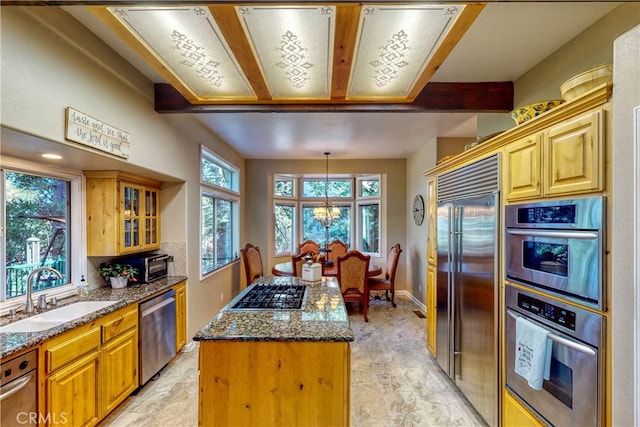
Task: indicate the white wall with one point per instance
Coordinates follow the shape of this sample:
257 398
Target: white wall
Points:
416 250
625 226
49 62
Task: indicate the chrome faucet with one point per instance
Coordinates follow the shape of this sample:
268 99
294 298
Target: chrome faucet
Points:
28 306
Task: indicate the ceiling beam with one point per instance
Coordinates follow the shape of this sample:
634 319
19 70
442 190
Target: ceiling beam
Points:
491 97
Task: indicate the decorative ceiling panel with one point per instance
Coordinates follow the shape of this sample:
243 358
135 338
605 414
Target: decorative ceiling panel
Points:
294 47
308 53
394 46
188 42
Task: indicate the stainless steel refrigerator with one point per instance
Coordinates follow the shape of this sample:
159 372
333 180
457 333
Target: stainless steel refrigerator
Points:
467 289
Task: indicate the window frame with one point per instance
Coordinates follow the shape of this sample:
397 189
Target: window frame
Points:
217 192
354 203
361 200
212 157
294 184
296 213
76 228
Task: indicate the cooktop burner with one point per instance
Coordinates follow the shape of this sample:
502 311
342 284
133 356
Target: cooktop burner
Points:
267 297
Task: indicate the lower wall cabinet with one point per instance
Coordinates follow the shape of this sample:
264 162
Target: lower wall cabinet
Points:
514 414
432 307
90 370
181 314
72 392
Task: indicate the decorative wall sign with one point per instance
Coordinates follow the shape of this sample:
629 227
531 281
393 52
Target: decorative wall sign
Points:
94 133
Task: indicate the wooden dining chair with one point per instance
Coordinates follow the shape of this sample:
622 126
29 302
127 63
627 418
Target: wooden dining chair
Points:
352 277
308 246
298 260
387 283
252 262
338 248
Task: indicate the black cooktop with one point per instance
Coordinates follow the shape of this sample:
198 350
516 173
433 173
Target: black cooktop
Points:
269 297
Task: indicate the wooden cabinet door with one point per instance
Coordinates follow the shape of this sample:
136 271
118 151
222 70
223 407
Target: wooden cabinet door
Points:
573 156
151 218
131 211
72 393
119 369
431 308
181 314
514 414
522 168
432 207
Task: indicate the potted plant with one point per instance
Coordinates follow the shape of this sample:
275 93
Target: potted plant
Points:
118 274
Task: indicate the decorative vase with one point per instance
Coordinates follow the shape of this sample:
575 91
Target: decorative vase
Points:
118 282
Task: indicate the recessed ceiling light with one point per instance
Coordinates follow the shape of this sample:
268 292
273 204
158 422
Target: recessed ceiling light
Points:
52 156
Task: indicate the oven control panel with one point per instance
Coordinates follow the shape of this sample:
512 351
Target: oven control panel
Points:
559 214
557 315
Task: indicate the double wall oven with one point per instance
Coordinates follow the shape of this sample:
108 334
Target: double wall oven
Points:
555 269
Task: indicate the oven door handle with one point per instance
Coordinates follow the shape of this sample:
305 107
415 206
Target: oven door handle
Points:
586 235
12 389
560 340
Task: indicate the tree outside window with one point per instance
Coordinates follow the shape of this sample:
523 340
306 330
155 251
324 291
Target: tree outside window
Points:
37 214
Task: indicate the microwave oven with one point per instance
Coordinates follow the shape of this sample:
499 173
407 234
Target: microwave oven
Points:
150 267
558 247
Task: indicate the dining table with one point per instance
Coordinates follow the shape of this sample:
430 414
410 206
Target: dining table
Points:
286 269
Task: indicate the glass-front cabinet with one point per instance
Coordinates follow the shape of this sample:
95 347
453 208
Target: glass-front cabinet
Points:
123 213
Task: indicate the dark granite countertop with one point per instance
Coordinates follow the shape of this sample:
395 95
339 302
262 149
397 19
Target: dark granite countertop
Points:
13 342
323 317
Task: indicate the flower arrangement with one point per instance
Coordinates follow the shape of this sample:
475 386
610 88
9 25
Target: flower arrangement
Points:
118 270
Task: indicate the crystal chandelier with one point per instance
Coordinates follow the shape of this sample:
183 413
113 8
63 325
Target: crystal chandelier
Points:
326 214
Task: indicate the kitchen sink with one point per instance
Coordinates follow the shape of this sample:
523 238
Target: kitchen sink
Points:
53 318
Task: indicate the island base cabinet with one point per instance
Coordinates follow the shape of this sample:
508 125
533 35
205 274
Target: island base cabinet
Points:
274 383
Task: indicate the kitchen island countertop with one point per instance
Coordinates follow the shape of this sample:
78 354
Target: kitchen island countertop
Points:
322 318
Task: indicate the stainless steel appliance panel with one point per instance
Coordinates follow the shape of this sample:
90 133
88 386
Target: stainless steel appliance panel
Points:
150 267
18 391
157 334
558 246
443 278
572 394
467 322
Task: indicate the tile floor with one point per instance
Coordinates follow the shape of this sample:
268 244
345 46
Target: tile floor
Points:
395 381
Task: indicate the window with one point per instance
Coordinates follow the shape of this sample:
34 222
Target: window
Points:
284 215
36 224
338 188
369 219
219 213
314 230
357 198
284 187
214 171
369 214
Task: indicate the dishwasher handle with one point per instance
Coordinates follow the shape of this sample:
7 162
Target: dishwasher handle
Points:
158 306
14 387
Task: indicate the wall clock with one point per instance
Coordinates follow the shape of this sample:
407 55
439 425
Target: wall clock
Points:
418 209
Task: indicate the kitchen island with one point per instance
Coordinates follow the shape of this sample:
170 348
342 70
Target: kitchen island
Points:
275 366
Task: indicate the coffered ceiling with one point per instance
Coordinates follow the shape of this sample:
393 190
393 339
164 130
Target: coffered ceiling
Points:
293 53
349 67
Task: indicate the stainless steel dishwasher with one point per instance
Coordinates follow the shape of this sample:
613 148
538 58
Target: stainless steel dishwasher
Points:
18 391
157 334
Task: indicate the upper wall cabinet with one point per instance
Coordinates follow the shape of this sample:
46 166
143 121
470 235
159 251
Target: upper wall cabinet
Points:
574 153
564 159
561 152
123 213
